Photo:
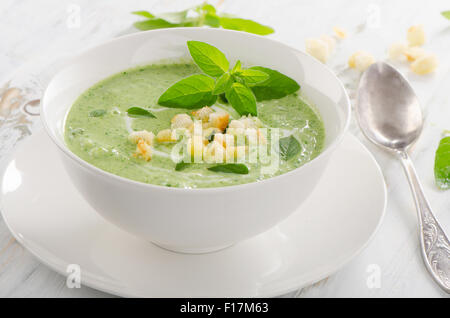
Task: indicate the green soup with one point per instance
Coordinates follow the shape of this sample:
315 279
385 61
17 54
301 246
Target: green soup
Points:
103 140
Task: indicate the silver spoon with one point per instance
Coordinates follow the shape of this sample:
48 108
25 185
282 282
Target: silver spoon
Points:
390 116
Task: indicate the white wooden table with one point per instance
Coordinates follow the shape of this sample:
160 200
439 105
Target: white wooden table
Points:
35 35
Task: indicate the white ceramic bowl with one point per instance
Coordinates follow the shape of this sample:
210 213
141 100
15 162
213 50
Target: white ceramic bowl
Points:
194 220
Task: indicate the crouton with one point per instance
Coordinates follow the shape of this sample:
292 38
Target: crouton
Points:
340 33
181 121
219 120
203 113
144 135
225 140
318 49
361 60
415 35
214 152
414 53
397 51
195 148
143 150
236 124
165 135
424 65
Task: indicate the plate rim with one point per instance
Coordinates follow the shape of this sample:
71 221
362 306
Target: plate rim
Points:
95 283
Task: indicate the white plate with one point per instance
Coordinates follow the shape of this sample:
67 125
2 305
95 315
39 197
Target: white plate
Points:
49 218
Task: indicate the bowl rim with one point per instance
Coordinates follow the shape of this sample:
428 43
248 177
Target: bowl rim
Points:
108 175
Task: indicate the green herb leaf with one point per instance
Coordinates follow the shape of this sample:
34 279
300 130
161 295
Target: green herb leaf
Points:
153 24
210 59
442 164
252 77
144 14
212 20
242 99
97 113
238 168
289 147
178 17
237 67
276 86
191 92
446 14
208 8
245 25
181 166
223 83
138 112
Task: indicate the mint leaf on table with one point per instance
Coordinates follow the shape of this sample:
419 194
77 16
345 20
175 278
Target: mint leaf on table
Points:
197 16
212 20
252 76
143 13
245 25
223 83
138 112
242 99
442 164
446 14
154 24
238 168
209 58
97 113
191 92
276 86
289 147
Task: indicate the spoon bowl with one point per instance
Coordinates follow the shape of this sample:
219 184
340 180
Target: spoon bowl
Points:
388 111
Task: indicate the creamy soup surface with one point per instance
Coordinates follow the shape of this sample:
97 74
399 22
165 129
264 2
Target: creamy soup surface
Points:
103 141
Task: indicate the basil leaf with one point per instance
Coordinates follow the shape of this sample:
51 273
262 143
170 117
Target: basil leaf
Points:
446 14
208 8
442 164
252 77
97 113
289 147
223 83
242 99
276 86
181 166
138 112
144 14
191 92
154 24
212 20
237 67
210 59
238 168
174 17
245 25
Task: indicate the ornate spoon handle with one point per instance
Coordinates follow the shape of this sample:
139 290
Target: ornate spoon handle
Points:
434 242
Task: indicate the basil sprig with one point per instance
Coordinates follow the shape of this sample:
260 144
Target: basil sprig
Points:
204 14
241 87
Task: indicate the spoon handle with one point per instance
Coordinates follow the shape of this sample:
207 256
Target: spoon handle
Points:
435 244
